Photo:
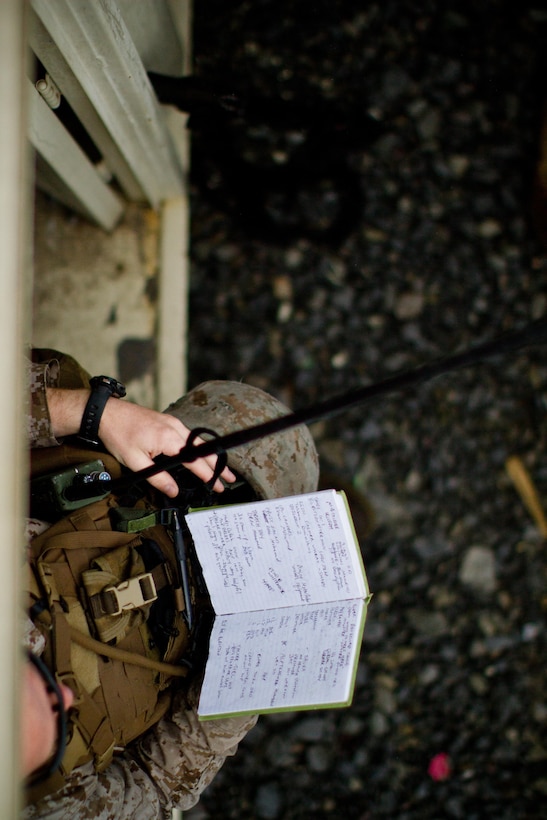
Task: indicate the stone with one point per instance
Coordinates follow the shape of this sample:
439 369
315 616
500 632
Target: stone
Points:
478 569
268 801
409 305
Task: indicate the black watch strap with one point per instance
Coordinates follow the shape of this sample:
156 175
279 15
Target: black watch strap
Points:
102 389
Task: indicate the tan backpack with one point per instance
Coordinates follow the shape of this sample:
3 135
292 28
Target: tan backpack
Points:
105 592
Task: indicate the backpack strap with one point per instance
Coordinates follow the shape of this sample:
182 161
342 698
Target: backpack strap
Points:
127 657
90 729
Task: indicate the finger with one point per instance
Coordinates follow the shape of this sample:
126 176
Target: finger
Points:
204 468
165 483
197 467
68 696
226 473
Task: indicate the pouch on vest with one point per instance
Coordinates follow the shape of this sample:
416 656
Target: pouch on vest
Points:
110 606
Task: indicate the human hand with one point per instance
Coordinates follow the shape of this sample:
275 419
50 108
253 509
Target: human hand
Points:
134 435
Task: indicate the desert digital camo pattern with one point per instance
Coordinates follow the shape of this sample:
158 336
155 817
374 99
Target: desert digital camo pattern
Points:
39 428
168 768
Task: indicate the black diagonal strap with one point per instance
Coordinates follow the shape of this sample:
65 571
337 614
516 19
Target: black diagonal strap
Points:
222 456
62 724
533 334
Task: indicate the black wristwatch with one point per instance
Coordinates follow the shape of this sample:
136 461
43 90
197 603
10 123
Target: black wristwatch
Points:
102 389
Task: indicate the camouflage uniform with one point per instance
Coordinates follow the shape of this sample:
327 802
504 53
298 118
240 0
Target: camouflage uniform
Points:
168 768
41 376
172 763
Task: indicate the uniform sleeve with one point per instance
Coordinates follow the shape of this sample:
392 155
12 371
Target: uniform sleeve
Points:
39 426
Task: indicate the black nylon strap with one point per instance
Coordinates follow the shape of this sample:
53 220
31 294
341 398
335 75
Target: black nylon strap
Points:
102 389
222 456
53 764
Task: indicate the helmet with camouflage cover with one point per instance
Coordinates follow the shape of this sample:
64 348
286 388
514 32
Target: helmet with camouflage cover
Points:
278 465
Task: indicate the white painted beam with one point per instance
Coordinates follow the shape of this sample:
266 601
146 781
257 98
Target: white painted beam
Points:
49 55
174 268
72 178
95 43
172 302
155 36
181 12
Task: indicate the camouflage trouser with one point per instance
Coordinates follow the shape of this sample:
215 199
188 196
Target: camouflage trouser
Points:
166 769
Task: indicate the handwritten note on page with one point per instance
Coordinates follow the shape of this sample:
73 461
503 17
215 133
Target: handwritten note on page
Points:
295 550
289 592
282 659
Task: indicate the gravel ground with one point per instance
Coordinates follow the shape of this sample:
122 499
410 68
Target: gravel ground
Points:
368 209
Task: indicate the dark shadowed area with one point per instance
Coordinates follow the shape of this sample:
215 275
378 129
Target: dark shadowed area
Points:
363 201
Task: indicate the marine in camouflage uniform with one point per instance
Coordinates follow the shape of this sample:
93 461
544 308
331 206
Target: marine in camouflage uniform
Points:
172 763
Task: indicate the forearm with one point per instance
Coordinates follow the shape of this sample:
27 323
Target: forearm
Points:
66 408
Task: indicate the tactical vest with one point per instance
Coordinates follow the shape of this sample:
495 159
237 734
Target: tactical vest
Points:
105 592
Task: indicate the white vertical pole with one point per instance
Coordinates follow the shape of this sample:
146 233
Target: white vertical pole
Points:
13 310
172 302
174 262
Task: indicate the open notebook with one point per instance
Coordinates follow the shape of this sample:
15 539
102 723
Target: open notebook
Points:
290 594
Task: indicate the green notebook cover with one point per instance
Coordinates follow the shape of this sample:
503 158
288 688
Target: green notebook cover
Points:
288 586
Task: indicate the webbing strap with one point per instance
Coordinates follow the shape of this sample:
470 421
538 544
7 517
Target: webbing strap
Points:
126 657
87 718
106 539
